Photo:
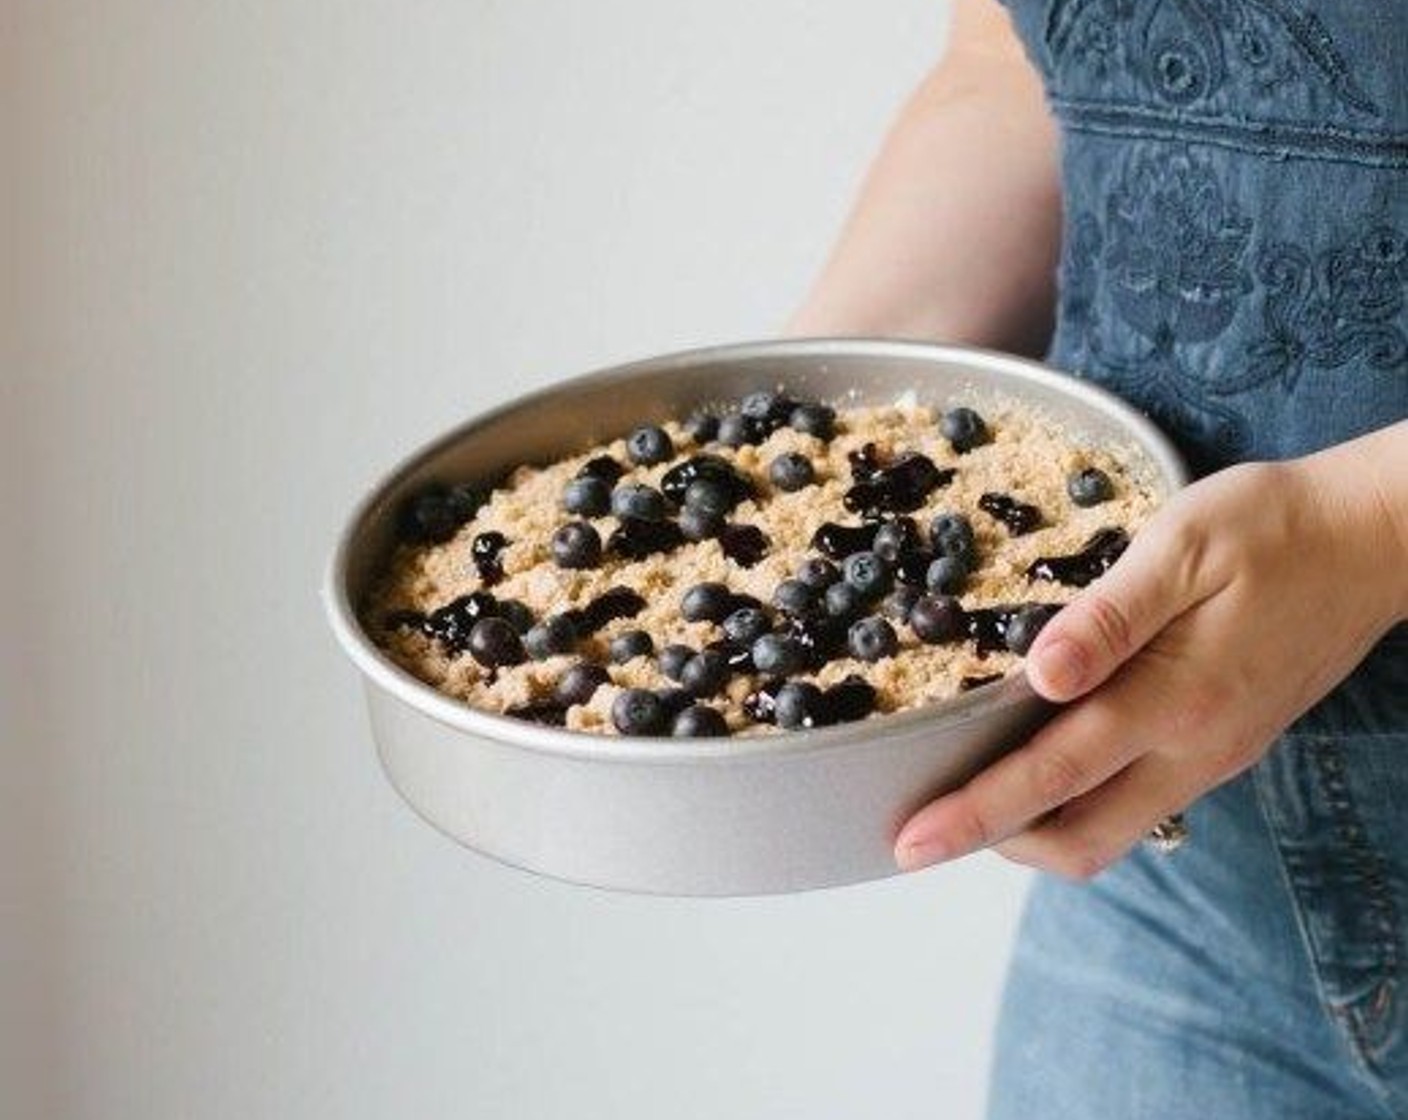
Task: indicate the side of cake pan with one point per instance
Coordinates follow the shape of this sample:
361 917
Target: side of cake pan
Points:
753 815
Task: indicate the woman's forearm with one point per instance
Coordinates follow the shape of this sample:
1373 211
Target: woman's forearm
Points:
956 233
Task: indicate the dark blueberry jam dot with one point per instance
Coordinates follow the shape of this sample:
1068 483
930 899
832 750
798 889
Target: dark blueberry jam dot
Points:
638 711
760 705
1026 624
576 545
746 625
555 634
847 701
963 428
672 660
1090 487
451 624
587 497
872 639
637 501
403 620
791 471
1019 517
901 486
603 467
635 539
738 656
1095 558
618 602
987 627
676 481
967 684
630 644
797 705
839 541
912 568
938 618
648 445
701 427
493 642
819 638
699 721
745 545
815 571
485 552
579 683
549 713
813 419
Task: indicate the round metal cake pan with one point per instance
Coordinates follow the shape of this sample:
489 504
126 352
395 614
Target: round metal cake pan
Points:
754 815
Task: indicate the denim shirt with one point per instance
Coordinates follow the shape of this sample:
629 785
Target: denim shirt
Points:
1235 248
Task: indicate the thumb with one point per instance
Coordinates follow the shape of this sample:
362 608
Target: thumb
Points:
1108 623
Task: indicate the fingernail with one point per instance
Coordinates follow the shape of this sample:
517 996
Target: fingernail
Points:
915 854
1059 666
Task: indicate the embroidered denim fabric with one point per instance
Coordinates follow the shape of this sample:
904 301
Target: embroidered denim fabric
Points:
1235 262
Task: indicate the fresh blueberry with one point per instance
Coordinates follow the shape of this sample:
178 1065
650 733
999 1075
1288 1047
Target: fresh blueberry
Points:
894 538
638 711
737 431
947 575
899 602
872 638
746 625
699 721
698 526
576 545
555 634
963 428
629 644
709 495
952 535
1090 487
867 573
648 445
844 601
587 496
778 655
429 518
937 618
814 420
707 602
701 427
818 572
794 597
761 406
672 660
705 673
516 614
638 501
494 642
798 704
791 471
1026 624
580 682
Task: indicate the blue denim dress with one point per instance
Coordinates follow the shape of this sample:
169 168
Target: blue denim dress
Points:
1235 262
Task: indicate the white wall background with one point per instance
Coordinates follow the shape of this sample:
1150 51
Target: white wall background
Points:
263 247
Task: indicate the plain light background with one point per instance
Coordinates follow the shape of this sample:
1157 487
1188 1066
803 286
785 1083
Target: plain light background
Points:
255 251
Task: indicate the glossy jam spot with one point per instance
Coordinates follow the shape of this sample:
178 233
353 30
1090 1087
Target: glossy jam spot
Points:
713 467
485 553
836 542
745 545
1019 517
900 486
619 602
636 539
603 467
1079 569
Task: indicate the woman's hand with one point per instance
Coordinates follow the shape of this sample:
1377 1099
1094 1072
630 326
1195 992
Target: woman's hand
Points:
1241 603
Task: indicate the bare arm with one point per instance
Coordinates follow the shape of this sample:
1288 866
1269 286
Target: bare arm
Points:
956 231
